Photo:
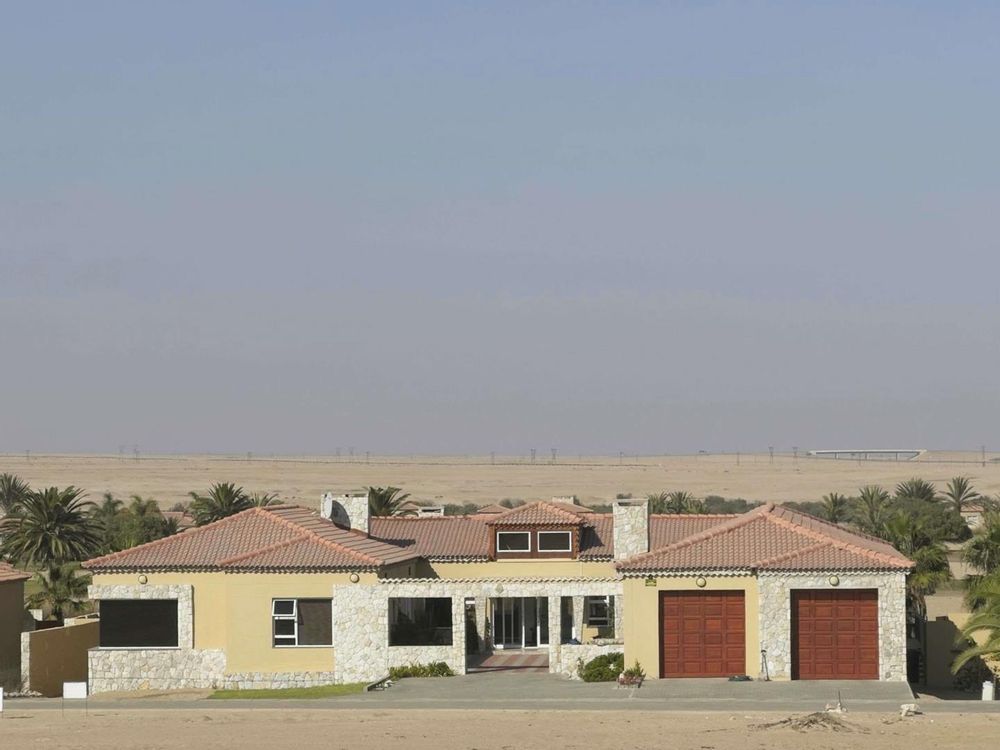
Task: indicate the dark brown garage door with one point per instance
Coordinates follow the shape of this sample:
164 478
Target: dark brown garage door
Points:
835 635
702 634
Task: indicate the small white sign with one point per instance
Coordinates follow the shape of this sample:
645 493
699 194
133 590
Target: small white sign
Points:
1 700
75 690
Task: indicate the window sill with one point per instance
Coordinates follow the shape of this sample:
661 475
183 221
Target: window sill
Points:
137 648
310 645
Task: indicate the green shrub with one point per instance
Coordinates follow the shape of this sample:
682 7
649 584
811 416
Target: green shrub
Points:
604 668
434 669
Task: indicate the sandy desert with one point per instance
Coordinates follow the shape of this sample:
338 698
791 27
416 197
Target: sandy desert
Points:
271 729
483 480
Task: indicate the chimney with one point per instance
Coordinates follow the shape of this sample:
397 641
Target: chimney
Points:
349 510
631 524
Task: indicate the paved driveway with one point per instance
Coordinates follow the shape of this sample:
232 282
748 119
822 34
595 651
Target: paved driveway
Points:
518 690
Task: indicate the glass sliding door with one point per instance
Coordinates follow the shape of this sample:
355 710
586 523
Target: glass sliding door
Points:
521 622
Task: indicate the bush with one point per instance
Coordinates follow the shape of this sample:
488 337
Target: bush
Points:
434 669
604 668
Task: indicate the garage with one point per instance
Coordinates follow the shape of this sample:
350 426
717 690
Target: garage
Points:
702 633
835 635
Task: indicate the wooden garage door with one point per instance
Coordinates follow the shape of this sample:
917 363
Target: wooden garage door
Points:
835 635
702 634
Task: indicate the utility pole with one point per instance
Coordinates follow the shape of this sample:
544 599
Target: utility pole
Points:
553 455
795 453
983 447
532 455
770 450
493 457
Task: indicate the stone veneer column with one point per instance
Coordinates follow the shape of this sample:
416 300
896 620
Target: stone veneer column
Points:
555 632
776 616
631 528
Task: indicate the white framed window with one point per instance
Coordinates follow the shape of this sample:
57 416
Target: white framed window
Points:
301 622
555 541
513 541
597 610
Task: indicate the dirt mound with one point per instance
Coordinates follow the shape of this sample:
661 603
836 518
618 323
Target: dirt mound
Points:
818 721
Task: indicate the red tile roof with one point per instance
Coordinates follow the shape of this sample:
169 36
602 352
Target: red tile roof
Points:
435 537
770 538
278 537
9 573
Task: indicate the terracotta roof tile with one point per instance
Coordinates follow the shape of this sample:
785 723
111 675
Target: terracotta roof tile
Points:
282 537
770 537
435 537
9 573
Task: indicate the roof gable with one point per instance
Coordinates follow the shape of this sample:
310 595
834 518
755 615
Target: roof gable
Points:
770 538
542 513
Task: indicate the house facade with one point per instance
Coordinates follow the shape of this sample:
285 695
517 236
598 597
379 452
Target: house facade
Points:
283 596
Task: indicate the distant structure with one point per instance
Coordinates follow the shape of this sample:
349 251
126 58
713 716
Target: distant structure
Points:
874 454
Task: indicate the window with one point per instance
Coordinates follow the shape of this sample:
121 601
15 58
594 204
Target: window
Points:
302 622
138 623
555 541
513 541
597 610
420 622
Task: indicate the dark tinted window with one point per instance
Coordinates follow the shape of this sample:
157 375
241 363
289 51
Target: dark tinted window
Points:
134 623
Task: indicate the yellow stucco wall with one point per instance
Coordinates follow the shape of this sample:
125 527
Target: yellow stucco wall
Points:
233 612
11 616
522 569
641 621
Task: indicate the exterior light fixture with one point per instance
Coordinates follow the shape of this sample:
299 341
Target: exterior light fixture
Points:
834 580
143 580
355 578
700 582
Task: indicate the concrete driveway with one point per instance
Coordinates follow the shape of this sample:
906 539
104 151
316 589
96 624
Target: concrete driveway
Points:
518 690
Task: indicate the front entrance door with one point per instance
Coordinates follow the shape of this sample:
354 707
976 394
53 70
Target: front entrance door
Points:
520 622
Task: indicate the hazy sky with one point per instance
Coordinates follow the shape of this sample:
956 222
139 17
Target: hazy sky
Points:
434 227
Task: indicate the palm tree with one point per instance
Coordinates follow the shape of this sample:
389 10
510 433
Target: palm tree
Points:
983 551
910 535
13 490
658 502
223 499
62 591
983 626
51 527
961 493
386 501
916 489
264 499
680 502
873 509
835 507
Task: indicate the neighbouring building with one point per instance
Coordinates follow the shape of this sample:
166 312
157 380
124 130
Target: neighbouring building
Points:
11 623
284 596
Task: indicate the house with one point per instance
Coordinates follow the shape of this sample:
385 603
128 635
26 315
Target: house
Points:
283 596
11 622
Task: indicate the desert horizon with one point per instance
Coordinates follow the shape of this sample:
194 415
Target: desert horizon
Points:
488 479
